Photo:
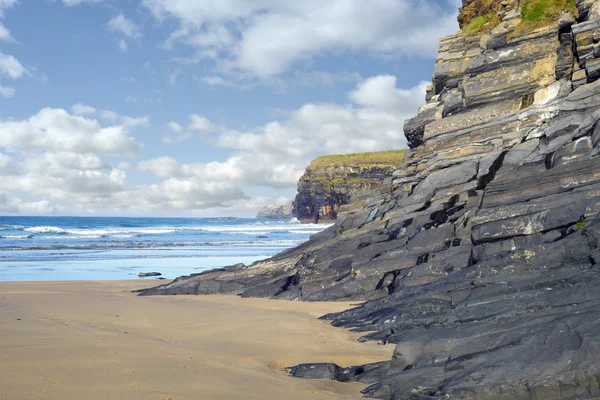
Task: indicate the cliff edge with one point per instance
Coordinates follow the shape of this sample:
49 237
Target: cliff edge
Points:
330 182
481 260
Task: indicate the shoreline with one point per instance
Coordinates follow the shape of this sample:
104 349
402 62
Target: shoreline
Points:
96 340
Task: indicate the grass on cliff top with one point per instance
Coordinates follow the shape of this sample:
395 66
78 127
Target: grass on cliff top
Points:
390 157
539 13
480 9
481 23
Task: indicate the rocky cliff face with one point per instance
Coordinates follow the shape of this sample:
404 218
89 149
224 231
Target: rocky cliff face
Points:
278 211
480 261
331 181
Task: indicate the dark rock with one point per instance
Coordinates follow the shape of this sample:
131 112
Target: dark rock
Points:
315 371
148 274
367 373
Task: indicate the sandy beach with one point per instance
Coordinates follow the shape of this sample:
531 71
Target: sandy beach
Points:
96 340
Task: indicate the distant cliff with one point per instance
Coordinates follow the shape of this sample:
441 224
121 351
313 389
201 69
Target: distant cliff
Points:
278 211
330 182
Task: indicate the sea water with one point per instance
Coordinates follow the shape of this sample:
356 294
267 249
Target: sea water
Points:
89 248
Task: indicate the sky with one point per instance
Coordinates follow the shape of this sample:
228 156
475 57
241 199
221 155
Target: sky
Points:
200 107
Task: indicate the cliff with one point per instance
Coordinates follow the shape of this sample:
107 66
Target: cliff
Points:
331 181
481 262
278 211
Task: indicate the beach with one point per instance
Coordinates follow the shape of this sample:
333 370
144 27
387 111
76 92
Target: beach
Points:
97 340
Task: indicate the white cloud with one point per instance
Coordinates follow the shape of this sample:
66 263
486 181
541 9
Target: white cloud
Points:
5 162
126 27
178 138
200 123
70 3
110 115
7 92
42 207
322 78
7 3
82 109
7 207
217 81
126 121
266 37
5 34
180 135
175 127
381 92
54 129
59 161
162 166
135 121
11 67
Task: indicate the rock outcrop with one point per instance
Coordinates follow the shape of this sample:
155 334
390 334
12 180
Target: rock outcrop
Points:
481 258
331 181
278 211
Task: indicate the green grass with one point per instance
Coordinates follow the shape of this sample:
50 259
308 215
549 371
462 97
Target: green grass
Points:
579 225
477 24
539 13
390 158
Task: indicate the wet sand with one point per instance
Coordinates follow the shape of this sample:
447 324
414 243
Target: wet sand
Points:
96 340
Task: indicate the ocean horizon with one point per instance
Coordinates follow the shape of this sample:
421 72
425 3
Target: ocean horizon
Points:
119 248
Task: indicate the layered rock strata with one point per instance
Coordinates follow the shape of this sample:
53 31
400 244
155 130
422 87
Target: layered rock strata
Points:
330 182
480 259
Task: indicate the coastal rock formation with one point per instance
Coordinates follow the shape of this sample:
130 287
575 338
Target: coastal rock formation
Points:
279 211
330 182
481 260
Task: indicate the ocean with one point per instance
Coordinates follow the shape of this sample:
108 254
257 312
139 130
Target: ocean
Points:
90 248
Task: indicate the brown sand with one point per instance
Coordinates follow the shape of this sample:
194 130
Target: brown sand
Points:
95 340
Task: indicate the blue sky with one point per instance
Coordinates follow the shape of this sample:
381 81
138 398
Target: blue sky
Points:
188 107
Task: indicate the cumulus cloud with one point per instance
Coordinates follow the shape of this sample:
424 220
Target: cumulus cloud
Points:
381 92
55 159
266 37
54 129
